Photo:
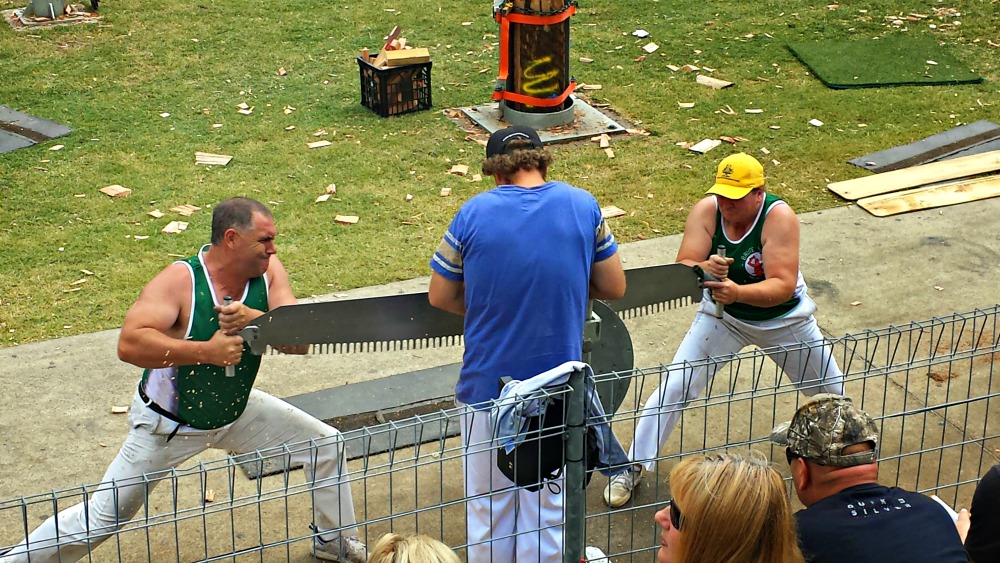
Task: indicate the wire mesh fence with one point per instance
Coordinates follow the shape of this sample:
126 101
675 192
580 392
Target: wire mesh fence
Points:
930 385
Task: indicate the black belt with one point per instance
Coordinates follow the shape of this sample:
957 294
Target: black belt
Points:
162 412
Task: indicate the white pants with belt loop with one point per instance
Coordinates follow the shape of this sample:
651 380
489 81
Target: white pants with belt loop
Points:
813 369
267 424
506 523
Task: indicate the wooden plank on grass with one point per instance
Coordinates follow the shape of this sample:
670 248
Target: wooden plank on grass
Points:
929 149
210 159
915 176
951 193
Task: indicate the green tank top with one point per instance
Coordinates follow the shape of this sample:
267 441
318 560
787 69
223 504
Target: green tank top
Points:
201 395
748 264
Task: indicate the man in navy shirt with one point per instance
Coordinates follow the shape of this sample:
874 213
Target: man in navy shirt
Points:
832 448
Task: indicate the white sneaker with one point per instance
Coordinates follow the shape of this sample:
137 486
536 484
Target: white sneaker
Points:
594 555
346 550
619 489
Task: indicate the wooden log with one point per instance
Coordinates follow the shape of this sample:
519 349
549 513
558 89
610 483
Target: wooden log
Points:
538 57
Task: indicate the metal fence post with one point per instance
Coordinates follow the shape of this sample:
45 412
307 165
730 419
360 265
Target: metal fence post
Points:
576 492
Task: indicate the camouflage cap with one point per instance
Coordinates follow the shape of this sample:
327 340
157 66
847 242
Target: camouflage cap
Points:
824 426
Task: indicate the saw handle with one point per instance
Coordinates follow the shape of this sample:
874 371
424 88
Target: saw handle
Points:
719 307
230 370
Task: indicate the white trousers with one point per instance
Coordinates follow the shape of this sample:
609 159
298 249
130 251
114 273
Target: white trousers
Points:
267 424
814 370
505 523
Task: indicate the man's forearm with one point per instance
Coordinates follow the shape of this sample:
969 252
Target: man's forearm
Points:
767 293
455 306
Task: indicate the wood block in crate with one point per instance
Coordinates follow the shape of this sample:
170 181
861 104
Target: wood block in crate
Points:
395 90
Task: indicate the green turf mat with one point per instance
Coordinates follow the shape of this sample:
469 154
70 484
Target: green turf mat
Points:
888 61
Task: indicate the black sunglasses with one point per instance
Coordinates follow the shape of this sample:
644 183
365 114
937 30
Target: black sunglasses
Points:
675 515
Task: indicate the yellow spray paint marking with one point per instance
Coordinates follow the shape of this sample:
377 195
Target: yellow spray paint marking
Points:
540 78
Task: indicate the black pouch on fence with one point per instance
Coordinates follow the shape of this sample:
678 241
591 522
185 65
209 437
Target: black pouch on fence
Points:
540 456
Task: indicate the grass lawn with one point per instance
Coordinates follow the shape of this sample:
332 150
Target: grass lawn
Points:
196 61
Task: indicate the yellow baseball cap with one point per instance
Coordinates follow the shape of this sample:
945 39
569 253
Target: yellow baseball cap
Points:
738 174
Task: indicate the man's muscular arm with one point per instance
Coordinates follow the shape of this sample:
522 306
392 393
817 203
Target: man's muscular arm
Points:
152 333
696 245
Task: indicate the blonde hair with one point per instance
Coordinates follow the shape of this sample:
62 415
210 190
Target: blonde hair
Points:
394 548
734 509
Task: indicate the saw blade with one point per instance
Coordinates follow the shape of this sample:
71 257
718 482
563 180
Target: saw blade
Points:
409 322
394 322
657 288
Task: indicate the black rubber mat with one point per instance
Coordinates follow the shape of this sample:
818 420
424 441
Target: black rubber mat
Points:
19 130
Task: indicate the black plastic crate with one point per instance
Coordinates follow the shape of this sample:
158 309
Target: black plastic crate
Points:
395 90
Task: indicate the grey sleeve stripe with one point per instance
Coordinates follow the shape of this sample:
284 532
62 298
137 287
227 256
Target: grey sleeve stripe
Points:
444 264
607 244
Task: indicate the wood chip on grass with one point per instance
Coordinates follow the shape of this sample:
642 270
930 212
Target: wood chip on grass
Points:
174 227
186 210
115 191
704 146
459 170
347 219
211 159
611 211
318 144
603 140
712 82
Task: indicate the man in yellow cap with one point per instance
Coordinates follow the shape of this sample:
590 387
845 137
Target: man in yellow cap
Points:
760 299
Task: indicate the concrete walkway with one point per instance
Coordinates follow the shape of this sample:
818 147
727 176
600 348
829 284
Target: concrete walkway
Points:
57 430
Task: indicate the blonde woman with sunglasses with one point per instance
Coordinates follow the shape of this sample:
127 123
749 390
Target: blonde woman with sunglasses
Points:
727 509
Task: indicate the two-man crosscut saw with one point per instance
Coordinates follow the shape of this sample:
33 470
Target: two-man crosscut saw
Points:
409 322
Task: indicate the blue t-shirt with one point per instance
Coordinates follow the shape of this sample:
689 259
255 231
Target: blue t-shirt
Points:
874 524
525 256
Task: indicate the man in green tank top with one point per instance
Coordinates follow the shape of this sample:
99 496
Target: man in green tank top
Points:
197 393
759 299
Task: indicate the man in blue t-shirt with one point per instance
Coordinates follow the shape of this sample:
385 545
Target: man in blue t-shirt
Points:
520 263
832 449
